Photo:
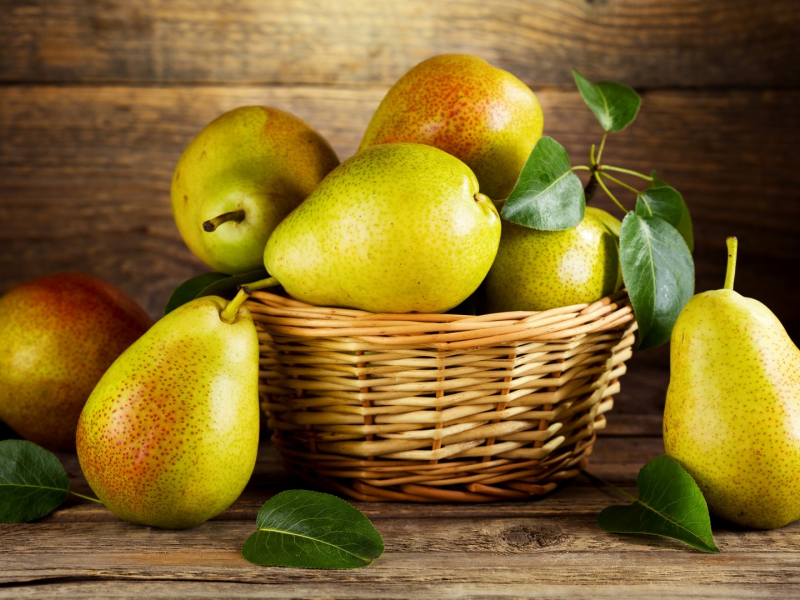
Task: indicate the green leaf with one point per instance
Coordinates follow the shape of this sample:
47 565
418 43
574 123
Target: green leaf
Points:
189 289
232 282
658 272
664 201
311 530
32 482
548 195
615 105
670 505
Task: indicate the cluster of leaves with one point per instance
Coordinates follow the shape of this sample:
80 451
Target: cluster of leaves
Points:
296 528
656 237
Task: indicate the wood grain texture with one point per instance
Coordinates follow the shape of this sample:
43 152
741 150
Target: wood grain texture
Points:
646 43
85 172
549 548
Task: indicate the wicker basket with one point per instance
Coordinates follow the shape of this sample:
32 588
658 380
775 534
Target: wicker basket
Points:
439 408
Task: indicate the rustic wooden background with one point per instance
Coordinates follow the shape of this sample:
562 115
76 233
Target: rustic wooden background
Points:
99 97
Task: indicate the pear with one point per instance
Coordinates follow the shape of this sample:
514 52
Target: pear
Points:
732 416
58 335
539 270
239 178
169 436
463 105
397 228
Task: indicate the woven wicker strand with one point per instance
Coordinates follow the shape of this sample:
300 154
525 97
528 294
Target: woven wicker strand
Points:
439 408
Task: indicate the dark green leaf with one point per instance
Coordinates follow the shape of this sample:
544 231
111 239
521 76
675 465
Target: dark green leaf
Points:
670 505
615 105
548 195
664 201
32 482
311 530
658 271
231 283
189 289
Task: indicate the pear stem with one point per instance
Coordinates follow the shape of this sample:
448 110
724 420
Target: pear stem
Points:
733 247
86 497
212 224
264 283
229 313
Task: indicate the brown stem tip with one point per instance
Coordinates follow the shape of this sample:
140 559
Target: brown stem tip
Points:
235 215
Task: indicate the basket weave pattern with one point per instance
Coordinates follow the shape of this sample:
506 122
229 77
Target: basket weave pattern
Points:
442 407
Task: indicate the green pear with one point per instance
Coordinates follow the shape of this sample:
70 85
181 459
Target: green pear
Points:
732 416
169 436
397 228
58 335
539 270
463 105
242 174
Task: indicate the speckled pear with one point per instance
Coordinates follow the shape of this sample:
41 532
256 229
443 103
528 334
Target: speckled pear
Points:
242 174
397 228
732 416
540 270
463 105
169 436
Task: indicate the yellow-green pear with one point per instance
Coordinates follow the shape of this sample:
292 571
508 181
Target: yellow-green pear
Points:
540 270
463 105
732 417
242 174
169 436
397 228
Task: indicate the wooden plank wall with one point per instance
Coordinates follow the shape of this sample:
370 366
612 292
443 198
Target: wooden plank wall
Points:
99 97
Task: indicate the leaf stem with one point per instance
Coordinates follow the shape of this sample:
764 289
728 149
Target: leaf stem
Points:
620 183
592 161
610 195
627 171
602 145
611 485
581 168
86 497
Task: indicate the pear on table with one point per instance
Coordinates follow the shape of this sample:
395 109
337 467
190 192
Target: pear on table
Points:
732 416
169 436
397 228
242 174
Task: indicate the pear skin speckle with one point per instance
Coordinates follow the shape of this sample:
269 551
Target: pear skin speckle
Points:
169 436
732 416
463 105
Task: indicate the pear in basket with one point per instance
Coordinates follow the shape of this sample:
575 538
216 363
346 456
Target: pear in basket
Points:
241 175
732 417
540 270
397 228
463 105
169 436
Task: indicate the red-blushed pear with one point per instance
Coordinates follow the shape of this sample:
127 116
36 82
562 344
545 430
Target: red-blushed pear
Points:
732 417
242 174
463 105
58 335
169 436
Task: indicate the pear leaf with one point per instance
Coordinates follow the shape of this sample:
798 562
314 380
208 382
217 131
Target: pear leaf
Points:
670 505
548 195
231 283
189 289
311 530
615 105
32 482
664 201
658 272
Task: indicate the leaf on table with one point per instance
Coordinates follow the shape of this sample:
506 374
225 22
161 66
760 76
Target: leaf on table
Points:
658 272
190 288
615 105
311 530
32 482
670 505
664 201
232 283
548 195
